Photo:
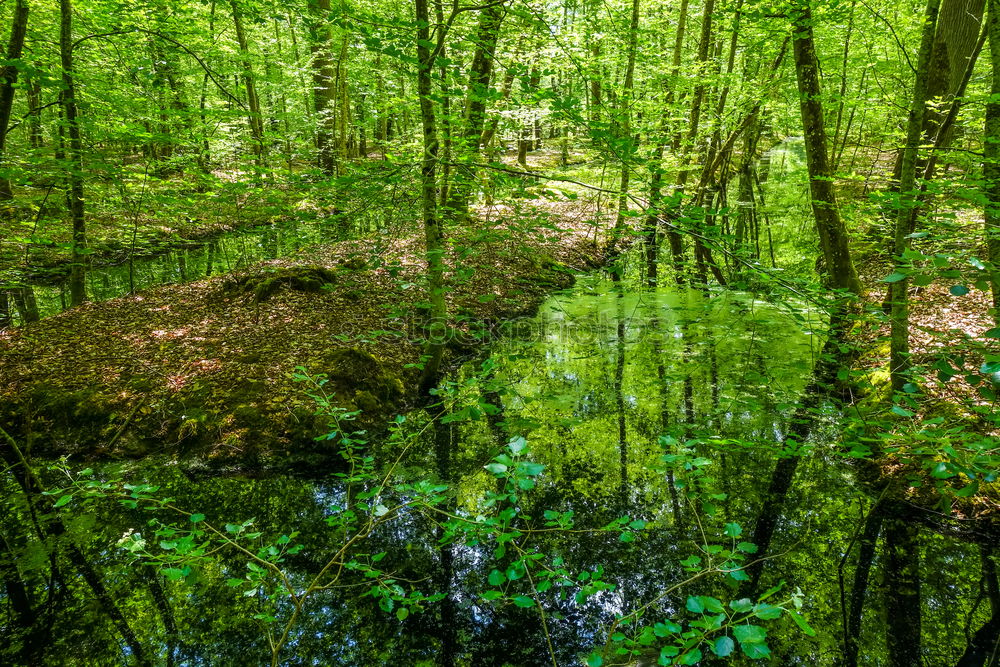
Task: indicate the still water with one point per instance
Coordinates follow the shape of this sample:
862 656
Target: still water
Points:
664 414
223 254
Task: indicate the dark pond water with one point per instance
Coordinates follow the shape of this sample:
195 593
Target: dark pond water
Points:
669 407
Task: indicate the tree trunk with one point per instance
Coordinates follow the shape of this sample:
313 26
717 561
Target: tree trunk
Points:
624 133
74 155
254 120
991 159
8 78
902 588
433 232
829 225
477 96
899 345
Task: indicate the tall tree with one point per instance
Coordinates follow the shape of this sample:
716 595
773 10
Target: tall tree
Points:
991 158
8 79
476 98
254 118
829 225
898 291
433 229
74 156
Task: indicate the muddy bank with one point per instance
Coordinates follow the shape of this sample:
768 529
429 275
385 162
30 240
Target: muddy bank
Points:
204 370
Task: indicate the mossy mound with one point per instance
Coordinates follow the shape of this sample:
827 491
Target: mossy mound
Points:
262 286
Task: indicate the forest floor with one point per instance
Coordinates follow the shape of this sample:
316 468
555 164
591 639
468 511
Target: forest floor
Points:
205 369
952 335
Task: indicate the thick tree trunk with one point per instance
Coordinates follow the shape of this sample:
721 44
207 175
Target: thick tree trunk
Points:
829 225
902 589
8 78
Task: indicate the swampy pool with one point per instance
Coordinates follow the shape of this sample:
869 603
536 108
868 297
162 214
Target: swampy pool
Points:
628 446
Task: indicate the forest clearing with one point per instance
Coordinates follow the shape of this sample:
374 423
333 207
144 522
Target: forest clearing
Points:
502 333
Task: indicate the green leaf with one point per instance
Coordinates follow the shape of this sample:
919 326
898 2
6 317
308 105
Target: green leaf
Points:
531 469
595 660
749 634
196 518
712 604
959 290
64 500
733 530
747 547
517 445
894 277
492 595
741 606
694 605
969 490
767 611
496 468
402 613
902 412
524 601
992 333
723 646
801 622
496 578
235 583
691 657
666 629
755 650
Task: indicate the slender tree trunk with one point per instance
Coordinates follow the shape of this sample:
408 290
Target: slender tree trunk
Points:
854 611
344 106
33 90
254 120
205 153
625 129
652 225
8 78
5 315
829 225
899 341
694 120
991 158
433 231
476 99
843 84
74 156
27 305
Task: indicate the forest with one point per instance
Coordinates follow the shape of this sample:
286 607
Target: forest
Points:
500 332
